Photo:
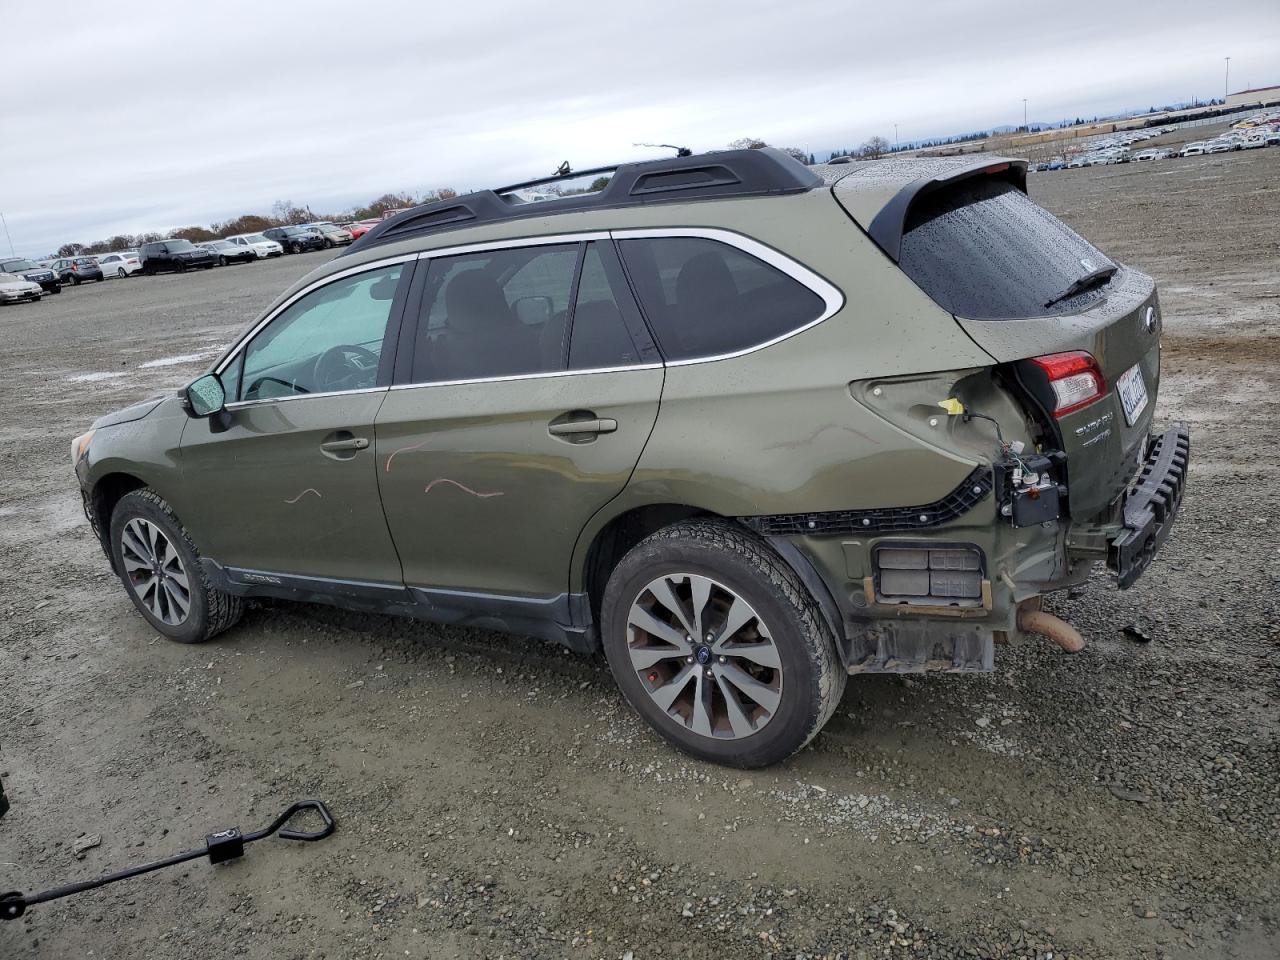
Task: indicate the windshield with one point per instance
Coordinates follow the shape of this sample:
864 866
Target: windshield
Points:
179 246
9 266
256 238
983 250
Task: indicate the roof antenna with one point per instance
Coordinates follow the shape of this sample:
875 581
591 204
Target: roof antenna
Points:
564 169
680 151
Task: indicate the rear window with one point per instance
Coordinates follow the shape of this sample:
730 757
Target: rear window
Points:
985 251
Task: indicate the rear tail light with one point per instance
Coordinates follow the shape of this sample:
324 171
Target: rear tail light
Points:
1076 379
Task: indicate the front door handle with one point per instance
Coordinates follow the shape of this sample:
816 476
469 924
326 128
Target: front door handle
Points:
346 445
571 427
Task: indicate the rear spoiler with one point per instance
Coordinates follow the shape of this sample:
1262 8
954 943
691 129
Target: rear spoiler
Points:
887 227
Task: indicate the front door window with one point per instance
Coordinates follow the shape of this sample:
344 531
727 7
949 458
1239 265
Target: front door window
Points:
330 340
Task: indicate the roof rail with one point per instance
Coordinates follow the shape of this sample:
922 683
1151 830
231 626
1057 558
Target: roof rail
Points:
707 176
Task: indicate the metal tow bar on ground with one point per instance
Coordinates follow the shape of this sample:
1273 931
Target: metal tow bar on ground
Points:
219 847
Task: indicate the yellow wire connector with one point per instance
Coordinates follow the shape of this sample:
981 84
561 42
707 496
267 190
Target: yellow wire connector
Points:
953 406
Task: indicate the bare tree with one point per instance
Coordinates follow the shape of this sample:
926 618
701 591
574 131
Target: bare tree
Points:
748 143
874 149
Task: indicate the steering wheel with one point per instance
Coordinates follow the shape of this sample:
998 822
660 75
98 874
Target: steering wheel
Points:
345 366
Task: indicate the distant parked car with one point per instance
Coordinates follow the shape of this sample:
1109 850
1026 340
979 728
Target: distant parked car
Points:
1272 138
121 265
40 273
295 239
179 255
1192 150
1143 156
78 270
359 228
227 252
14 289
259 244
332 234
1220 146
1254 141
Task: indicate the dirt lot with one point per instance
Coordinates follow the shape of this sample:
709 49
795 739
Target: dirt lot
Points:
497 799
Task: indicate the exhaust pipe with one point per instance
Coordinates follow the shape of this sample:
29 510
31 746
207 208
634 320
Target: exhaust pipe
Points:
1047 625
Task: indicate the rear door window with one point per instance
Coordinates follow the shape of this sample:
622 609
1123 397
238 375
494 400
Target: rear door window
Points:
705 298
493 313
983 250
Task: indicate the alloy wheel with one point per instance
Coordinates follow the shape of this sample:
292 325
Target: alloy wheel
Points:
155 571
704 656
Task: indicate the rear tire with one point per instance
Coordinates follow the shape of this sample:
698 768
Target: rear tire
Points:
121 274
160 569
760 677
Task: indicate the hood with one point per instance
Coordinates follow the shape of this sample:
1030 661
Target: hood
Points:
130 413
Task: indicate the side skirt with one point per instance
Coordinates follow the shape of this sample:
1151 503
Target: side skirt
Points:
564 619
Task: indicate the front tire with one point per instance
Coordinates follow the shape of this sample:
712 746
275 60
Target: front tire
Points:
296 248
160 569
718 645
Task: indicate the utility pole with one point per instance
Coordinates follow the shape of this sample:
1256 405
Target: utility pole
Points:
12 252
895 138
1226 82
1024 115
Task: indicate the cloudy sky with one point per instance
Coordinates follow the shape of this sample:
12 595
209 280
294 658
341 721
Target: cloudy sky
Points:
145 116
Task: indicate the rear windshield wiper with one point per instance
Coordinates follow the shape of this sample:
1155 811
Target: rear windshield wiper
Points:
1081 284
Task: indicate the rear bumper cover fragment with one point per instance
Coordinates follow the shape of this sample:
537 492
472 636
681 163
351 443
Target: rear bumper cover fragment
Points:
1151 505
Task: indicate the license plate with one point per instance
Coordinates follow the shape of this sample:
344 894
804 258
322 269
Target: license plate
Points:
1133 393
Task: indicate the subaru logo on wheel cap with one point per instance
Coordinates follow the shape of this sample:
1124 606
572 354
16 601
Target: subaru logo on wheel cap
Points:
703 655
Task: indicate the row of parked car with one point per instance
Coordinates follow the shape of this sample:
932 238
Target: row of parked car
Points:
22 279
1262 130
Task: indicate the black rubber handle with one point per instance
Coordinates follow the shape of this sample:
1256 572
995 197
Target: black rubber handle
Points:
319 807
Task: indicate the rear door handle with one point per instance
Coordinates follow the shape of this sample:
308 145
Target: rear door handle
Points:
603 425
339 446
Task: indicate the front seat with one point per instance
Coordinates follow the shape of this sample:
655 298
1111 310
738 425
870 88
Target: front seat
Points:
483 337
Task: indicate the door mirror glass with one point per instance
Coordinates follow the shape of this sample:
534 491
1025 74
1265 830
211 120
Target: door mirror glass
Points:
533 311
206 396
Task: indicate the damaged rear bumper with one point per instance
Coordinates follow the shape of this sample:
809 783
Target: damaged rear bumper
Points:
1151 505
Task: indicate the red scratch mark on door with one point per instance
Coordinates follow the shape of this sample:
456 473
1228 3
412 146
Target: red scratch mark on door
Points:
474 493
303 494
391 456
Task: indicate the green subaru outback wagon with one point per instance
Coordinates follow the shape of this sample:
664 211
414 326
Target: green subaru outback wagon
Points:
747 426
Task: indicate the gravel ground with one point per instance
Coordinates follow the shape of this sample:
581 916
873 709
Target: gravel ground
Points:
497 799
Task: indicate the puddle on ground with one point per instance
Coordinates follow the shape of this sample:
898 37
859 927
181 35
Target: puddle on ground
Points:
174 361
94 377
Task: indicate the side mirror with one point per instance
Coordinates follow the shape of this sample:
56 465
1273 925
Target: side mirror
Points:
205 396
533 311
